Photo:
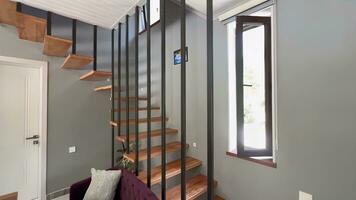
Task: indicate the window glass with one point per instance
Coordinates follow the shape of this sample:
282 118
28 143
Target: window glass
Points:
254 88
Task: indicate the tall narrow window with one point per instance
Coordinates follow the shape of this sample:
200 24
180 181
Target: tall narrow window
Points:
253 86
250 86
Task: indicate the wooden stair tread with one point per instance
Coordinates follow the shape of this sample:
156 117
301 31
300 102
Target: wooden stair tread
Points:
139 109
74 61
96 76
8 14
55 46
103 88
133 122
172 169
31 28
155 151
196 187
143 135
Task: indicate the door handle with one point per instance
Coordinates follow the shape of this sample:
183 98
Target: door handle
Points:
33 137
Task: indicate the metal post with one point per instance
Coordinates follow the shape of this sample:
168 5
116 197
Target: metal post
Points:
18 7
149 93
74 36
112 96
119 79
163 94
136 90
127 87
183 99
210 84
49 23
95 32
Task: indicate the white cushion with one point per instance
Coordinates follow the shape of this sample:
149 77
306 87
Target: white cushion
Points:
103 185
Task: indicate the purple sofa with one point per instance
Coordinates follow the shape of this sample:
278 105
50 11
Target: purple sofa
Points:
129 188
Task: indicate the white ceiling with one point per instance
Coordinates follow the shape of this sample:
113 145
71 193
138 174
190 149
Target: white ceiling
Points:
104 13
220 6
107 13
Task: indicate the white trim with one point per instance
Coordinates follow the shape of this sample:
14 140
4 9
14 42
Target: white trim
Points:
43 67
239 8
274 82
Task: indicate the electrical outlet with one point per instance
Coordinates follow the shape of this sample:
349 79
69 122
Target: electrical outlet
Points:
305 196
72 149
194 144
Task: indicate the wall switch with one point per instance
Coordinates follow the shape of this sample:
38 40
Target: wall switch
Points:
194 144
305 196
72 149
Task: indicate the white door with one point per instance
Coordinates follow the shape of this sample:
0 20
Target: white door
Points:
20 119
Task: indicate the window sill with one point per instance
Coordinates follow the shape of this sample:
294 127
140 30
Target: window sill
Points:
265 162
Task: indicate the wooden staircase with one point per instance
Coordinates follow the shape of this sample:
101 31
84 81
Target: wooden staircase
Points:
34 29
196 186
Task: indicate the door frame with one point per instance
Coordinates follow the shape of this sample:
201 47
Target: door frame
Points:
43 67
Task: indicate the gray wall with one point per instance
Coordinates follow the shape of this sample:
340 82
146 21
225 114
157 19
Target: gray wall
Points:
316 108
77 116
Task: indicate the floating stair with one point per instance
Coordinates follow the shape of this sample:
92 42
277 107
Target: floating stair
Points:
96 76
196 187
133 121
155 151
139 109
74 61
8 14
55 46
172 169
143 135
103 88
31 28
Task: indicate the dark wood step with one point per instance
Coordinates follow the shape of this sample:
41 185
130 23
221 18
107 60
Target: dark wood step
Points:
155 151
143 135
172 169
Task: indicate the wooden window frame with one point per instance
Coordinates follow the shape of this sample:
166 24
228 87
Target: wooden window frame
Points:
266 21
